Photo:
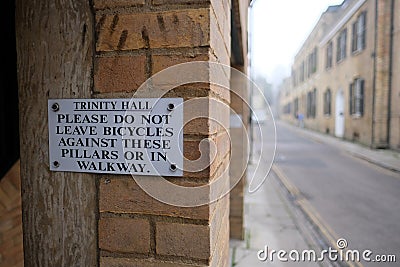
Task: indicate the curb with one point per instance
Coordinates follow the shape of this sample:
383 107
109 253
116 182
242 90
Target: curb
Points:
375 162
320 139
323 229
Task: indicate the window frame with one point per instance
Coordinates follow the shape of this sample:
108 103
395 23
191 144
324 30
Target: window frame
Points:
312 103
329 55
294 78
314 60
295 106
328 102
357 98
341 52
359 33
302 71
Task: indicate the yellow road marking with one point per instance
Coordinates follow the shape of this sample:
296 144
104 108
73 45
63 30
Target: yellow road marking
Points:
314 216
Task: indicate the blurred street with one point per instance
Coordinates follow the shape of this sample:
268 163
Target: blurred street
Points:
354 199
322 189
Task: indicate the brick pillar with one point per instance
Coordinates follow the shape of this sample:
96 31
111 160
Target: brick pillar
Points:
239 157
239 128
395 112
382 77
135 40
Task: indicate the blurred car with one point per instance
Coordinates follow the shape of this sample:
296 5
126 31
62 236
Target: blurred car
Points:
259 116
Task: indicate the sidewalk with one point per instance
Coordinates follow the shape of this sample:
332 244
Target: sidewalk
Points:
271 220
388 159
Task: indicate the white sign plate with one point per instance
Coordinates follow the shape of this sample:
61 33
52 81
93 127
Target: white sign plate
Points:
138 136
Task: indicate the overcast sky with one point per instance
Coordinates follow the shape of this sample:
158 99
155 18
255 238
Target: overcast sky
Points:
279 29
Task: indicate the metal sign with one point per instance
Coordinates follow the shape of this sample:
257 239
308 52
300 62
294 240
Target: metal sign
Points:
139 136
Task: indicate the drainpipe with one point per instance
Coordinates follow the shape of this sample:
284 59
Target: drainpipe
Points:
374 77
251 50
390 73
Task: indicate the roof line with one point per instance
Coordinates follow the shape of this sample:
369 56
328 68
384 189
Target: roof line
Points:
342 22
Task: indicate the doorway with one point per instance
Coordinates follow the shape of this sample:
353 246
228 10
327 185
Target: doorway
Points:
9 131
339 114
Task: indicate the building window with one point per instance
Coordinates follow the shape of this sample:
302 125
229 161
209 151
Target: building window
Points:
302 70
327 102
287 108
357 98
296 107
311 103
313 60
329 55
359 32
341 45
294 83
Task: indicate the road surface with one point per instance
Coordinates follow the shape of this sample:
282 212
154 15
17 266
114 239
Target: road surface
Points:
347 197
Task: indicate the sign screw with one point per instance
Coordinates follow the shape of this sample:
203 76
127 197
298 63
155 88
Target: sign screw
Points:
55 107
107 180
56 164
173 167
171 107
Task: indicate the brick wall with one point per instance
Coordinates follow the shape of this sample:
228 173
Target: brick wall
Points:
135 40
371 64
395 109
239 113
239 154
381 107
11 248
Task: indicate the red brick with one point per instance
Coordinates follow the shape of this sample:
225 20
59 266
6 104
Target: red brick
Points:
124 235
221 254
236 209
208 166
236 229
5 200
208 118
167 36
169 29
220 225
163 2
192 78
196 116
184 240
222 92
12 256
223 146
125 262
14 175
13 233
11 251
192 151
161 62
197 126
120 73
10 189
222 9
220 46
101 4
125 196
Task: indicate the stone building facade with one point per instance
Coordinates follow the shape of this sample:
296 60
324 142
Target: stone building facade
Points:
345 77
